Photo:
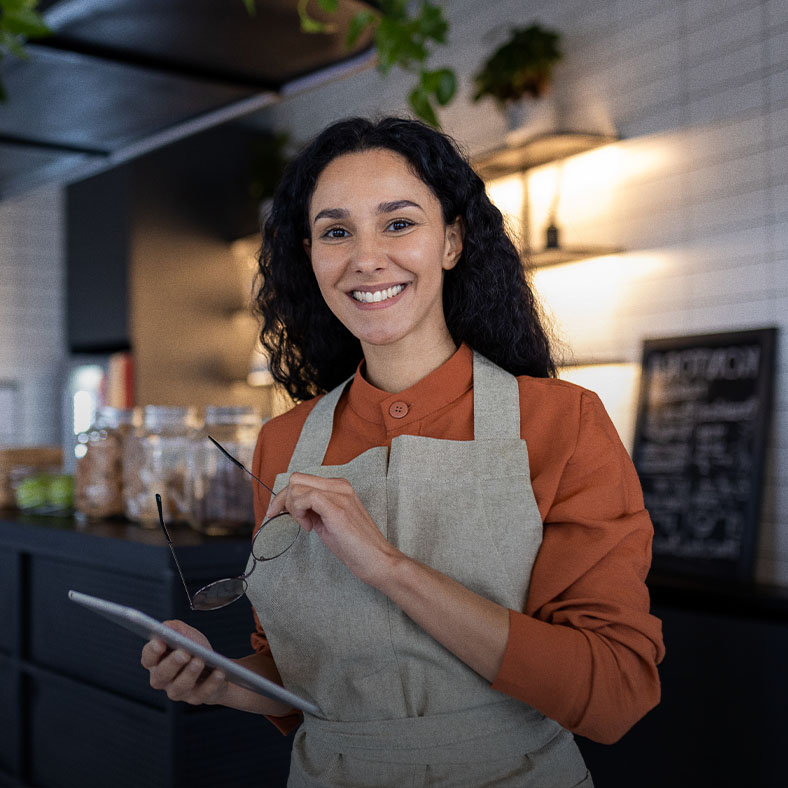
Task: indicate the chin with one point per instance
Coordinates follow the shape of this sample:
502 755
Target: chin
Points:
379 341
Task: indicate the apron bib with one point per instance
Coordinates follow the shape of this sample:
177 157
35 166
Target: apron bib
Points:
397 708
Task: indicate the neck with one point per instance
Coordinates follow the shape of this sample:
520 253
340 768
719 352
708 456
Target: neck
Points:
395 368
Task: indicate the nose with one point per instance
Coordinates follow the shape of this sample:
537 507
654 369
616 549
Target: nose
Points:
368 253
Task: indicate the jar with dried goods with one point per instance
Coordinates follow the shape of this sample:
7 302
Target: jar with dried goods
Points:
98 480
154 461
219 493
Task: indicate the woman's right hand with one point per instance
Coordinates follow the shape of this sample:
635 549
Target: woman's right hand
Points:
181 676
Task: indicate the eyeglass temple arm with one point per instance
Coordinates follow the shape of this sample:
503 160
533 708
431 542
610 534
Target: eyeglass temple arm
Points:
172 550
238 463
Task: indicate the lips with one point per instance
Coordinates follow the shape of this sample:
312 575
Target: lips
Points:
377 296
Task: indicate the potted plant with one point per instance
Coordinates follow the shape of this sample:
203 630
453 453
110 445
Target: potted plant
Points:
521 70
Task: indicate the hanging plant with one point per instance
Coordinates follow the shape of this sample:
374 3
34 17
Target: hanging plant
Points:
523 66
403 38
19 21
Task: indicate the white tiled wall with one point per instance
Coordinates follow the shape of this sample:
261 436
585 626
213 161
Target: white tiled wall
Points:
32 302
698 92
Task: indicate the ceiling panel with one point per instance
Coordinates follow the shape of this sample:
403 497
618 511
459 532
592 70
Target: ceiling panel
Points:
211 37
31 167
121 77
85 102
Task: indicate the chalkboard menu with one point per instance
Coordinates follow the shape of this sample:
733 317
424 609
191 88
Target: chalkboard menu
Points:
700 438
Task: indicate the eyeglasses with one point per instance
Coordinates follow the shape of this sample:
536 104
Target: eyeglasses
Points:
275 536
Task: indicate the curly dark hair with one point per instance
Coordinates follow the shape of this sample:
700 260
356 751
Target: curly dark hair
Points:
486 298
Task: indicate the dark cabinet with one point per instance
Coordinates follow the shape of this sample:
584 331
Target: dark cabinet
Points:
195 191
76 709
98 227
723 718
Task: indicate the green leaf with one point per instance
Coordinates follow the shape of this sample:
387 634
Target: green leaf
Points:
329 5
358 24
251 9
25 22
13 46
447 86
394 10
420 103
310 24
432 23
396 46
441 83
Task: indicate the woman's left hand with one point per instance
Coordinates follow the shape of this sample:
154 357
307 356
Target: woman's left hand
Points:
331 508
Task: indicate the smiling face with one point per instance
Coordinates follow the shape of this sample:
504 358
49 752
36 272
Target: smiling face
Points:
379 249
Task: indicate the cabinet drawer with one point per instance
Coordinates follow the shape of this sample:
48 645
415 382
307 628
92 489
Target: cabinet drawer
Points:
85 737
82 737
70 639
10 601
10 718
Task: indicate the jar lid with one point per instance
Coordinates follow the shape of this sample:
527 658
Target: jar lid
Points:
109 417
169 415
230 414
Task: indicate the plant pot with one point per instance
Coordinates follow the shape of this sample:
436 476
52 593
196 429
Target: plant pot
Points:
529 117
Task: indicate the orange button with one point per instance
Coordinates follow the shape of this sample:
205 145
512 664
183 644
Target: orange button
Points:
399 409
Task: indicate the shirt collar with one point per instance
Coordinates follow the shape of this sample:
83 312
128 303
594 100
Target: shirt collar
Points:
440 388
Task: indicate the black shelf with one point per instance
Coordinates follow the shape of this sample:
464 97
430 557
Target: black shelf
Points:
536 151
561 255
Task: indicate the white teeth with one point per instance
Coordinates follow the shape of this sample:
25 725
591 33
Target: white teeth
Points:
379 295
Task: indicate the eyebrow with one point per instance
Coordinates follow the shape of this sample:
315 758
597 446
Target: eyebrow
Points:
384 207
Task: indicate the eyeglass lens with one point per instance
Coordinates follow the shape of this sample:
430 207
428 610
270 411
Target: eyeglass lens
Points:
218 594
274 537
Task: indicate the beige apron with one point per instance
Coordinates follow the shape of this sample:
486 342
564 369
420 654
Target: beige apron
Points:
397 708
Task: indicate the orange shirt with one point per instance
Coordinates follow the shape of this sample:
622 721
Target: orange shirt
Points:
585 649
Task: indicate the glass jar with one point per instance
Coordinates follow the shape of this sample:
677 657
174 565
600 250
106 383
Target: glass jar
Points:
98 481
219 493
154 461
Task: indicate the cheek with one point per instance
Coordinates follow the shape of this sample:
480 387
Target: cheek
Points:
326 276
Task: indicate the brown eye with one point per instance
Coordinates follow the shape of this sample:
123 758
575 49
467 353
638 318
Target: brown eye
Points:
400 224
335 232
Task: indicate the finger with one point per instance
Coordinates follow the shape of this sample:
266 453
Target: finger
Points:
183 628
182 686
277 504
209 688
168 669
152 653
311 507
332 483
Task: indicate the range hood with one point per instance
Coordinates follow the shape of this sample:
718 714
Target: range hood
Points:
120 78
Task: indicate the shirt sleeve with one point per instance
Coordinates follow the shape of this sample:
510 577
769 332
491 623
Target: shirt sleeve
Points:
585 650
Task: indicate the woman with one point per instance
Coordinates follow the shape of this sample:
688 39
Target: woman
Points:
468 584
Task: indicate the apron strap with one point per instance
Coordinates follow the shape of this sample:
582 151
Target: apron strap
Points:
496 401
316 433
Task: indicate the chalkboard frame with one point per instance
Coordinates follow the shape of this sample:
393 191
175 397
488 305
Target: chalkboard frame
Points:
740 568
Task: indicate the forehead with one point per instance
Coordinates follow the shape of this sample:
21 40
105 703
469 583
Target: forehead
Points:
377 174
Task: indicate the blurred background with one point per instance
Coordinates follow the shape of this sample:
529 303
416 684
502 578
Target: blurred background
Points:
644 174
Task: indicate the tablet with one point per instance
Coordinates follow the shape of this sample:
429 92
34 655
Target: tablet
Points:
145 626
